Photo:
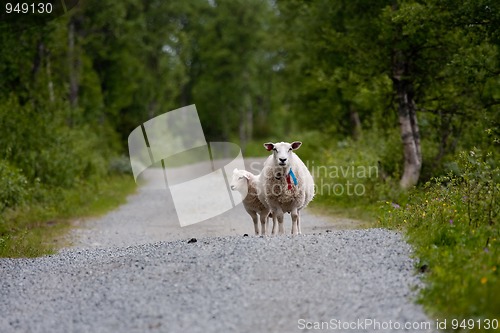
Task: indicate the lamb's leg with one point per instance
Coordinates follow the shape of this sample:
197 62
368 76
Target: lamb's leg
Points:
295 221
269 219
255 222
269 216
264 216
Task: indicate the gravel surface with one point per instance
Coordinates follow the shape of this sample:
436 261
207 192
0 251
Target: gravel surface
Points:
221 284
137 270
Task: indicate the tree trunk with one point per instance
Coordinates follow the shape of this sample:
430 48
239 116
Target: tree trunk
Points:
73 63
355 123
407 120
50 84
249 120
242 129
245 121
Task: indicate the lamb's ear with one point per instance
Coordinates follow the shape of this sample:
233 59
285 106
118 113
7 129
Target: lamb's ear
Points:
296 145
247 176
269 146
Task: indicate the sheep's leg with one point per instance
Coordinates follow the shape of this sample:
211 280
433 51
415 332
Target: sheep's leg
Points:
295 221
298 223
255 222
281 228
279 216
274 223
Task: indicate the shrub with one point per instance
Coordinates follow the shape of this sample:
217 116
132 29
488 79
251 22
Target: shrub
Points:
453 224
120 165
13 185
38 140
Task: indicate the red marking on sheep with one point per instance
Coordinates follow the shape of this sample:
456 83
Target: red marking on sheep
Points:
289 182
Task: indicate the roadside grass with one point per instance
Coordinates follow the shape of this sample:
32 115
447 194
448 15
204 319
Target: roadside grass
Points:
38 228
452 223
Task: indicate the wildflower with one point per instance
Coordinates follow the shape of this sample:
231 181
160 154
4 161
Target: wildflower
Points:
404 221
423 214
451 221
444 204
484 280
395 205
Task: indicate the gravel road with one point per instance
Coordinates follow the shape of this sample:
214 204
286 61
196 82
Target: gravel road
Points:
136 270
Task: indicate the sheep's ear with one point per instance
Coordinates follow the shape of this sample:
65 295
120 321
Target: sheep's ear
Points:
269 146
247 176
235 170
296 145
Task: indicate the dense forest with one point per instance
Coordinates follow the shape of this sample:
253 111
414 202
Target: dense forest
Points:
423 71
410 86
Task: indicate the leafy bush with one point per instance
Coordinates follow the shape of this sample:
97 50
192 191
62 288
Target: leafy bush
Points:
453 225
120 165
13 185
38 141
352 174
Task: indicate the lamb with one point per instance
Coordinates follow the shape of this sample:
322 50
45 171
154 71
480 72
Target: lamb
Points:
286 185
247 184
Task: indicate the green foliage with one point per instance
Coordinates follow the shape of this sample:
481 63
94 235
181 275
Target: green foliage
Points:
453 224
40 228
38 143
120 165
343 65
348 173
14 186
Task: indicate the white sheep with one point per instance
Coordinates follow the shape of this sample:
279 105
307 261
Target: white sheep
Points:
247 184
285 185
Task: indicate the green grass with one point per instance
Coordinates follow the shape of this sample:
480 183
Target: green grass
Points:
365 214
39 228
452 224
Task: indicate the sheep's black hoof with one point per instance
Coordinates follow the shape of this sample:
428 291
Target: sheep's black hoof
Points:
245 235
192 240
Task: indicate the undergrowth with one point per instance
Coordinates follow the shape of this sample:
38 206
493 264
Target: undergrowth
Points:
38 227
452 223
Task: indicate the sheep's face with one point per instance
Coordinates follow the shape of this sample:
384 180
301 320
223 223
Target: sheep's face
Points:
239 182
282 151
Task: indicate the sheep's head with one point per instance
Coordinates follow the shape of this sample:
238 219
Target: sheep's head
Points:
239 181
282 151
